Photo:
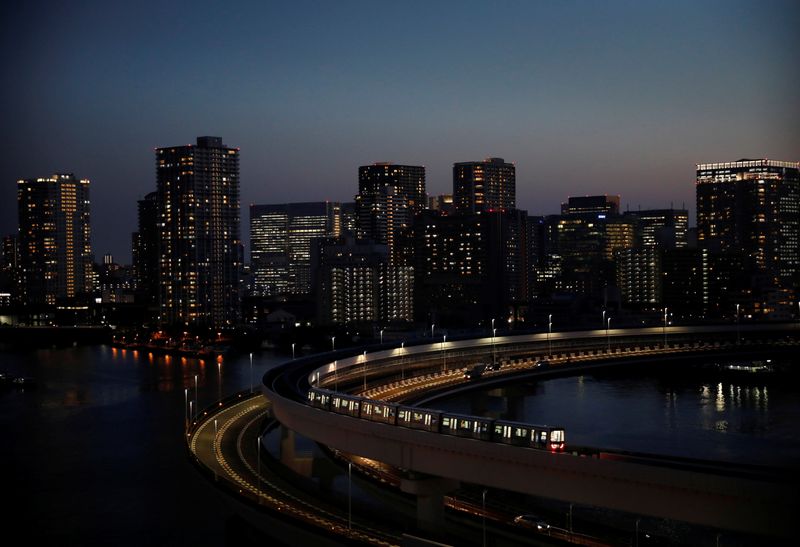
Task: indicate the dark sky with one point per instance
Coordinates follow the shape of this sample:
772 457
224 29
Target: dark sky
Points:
585 97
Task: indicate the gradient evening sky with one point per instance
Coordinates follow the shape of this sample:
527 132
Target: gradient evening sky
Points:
585 97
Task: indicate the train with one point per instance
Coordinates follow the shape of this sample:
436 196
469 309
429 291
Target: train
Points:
459 425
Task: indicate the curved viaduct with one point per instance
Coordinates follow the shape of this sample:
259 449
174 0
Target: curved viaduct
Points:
726 497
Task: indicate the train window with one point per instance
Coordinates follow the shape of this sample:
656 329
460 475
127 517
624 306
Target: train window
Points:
557 436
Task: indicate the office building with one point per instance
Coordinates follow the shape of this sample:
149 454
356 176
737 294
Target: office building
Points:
664 228
280 244
55 250
482 186
200 248
591 205
748 219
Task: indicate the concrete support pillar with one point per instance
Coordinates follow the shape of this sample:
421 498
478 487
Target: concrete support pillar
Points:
430 493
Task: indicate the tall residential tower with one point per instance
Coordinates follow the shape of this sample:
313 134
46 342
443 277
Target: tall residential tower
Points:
200 248
54 239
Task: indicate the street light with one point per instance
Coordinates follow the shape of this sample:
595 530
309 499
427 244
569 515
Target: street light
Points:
402 360
665 327
737 324
333 343
381 336
258 465
608 340
349 495
444 355
219 379
365 370
186 406
195 392
432 326
637 532
251 372
549 332
484 512
604 317
494 333
292 351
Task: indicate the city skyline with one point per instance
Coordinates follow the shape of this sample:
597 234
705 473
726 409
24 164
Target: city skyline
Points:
584 100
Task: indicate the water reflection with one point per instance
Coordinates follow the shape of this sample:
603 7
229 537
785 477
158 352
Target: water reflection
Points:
683 411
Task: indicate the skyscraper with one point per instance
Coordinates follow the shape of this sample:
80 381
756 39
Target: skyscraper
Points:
280 244
665 228
54 239
389 197
145 251
199 235
488 185
748 218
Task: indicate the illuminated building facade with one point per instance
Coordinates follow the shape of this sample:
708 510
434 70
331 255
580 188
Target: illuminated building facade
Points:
200 248
348 276
639 275
748 219
665 228
280 244
55 248
470 268
389 197
488 185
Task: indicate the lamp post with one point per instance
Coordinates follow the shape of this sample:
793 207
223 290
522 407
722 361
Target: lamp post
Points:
195 393
333 343
258 465
349 495
637 533
738 338
608 340
381 336
186 407
292 351
219 379
494 333
444 355
570 518
549 332
402 361
604 318
484 516
251 372
665 327
365 370
432 327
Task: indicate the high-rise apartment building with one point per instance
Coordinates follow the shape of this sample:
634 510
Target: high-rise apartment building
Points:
348 276
200 248
470 268
389 197
54 239
280 244
145 251
488 185
748 218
